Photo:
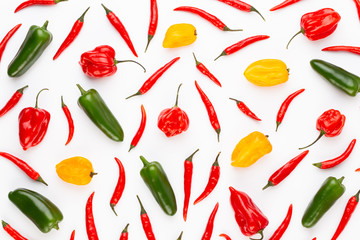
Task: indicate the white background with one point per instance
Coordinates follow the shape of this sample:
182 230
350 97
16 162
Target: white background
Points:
297 129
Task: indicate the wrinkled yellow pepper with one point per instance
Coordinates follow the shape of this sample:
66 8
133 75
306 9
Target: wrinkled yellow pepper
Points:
75 170
179 35
250 149
267 72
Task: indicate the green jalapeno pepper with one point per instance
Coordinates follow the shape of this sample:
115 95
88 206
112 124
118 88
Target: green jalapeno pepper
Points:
35 43
337 76
96 109
155 178
331 190
37 208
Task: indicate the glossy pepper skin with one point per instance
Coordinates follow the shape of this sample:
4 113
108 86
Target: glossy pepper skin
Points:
156 180
179 35
248 216
250 149
330 191
337 76
75 170
40 210
97 110
35 43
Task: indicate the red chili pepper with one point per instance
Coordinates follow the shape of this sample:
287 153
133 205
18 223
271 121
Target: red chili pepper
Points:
207 16
357 170
74 32
212 182
6 39
284 4
201 67
284 106
69 119
15 98
37 2
72 237
242 6
357 4
314 238
24 167
240 45
225 236
210 110
319 24
330 124
115 21
188 172
124 234
243 108
141 129
33 124
248 216
210 224
278 176
153 78
173 121
351 49
119 189
153 21
89 217
146 222
12 232
349 210
283 226
336 161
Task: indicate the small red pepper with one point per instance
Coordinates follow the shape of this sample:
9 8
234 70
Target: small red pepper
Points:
101 62
284 4
357 4
225 236
124 234
89 219
330 124
283 226
15 98
201 67
173 121
69 119
351 49
210 224
33 124
319 24
357 170
243 108
72 237
12 232
145 221
242 6
154 15
6 39
248 216
141 129
119 189
188 172
37 2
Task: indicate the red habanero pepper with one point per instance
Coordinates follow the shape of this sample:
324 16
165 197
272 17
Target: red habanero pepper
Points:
15 98
330 124
351 49
207 16
89 218
284 106
240 45
115 21
153 78
119 189
124 234
34 175
243 108
33 124
74 32
201 67
357 4
145 221
154 15
69 119
6 39
319 24
242 6
283 226
210 224
188 172
12 232
336 161
212 182
210 110
349 210
225 236
141 129
248 216
284 4
278 176
37 2
72 237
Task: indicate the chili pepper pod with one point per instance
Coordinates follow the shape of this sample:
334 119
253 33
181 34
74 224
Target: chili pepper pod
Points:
37 2
284 4
242 6
141 129
351 49
201 67
153 21
225 236
357 4
15 98
243 108
283 226
188 172
6 39
89 219
12 232
210 224
72 237
75 170
145 221
69 120
119 189
125 234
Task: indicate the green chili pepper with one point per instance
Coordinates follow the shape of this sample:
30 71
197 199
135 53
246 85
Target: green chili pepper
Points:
36 41
337 76
331 190
96 109
155 178
37 208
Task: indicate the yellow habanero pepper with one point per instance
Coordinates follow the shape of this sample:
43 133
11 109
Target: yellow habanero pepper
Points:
250 149
179 35
75 170
267 72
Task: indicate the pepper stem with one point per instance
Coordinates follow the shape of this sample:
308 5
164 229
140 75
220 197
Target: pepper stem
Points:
216 163
4 224
142 207
189 159
144 161
237 101
62 102
125 229
196 61
269 184
252 9
287 46
177 95
45 25
37 96
340 180
113 208
277 125
106 9
56 226
231 30
179 238
261 235
150 37
218 134
81 89
135 94
57 1
223 53
131 147
122 61
81 18
321 134
93 174
318 165
357 196
39 179
21 90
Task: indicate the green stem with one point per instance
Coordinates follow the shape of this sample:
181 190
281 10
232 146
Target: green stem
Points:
21 90
144 161
252 9
321 134
189 159
277 125
135 94
237 101
287 46
39 179
216 163
179 238
81 18
142 207
83 92
122 61
223 53
149 40
126 228
106 9
357 196
261 235
231 30
37 96
269 184
196 61
45 25
340 180
177 95
4 224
